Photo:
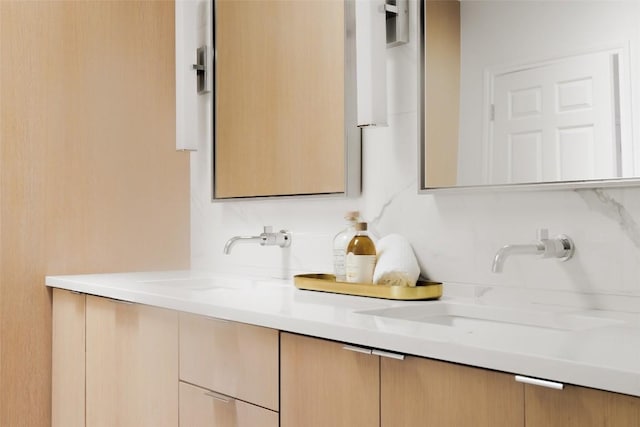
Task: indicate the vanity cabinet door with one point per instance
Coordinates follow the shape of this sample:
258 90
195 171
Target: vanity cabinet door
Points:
231 358
322 384
422 392
68 362
280 98
131 365
576 406
202 408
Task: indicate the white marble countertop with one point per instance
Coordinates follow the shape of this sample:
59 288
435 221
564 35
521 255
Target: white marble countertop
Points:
593 348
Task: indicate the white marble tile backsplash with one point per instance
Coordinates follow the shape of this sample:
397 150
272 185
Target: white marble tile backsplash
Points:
455 236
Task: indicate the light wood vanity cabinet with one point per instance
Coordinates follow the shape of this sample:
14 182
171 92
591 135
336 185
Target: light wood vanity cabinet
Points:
200 407
68 359
120 364
419 392
322 384
131 364
579 407
114 363
329 383
325 384
229 373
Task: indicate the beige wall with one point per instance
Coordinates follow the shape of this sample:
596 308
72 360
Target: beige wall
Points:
89 177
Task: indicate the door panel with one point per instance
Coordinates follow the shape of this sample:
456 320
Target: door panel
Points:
131 365
556 122
201 408
68 359
322 384
418 392
579 407
231 358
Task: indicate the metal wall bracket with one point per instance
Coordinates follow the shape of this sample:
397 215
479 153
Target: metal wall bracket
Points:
201 69
397 16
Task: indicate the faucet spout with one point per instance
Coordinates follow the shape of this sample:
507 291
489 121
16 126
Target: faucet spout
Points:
508 250
236 239
560 247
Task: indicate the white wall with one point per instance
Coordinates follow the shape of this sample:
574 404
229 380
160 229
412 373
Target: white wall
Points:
455 236
507 33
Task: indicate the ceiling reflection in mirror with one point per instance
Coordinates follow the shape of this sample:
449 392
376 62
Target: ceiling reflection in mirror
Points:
528 92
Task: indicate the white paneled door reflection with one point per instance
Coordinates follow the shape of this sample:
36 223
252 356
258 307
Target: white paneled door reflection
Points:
555 121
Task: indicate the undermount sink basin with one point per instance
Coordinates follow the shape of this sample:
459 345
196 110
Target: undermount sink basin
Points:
469 316
204 284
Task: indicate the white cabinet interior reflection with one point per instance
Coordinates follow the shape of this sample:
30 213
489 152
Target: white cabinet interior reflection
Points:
285 99
529 92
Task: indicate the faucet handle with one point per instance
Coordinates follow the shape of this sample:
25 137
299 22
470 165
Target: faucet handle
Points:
266 237
561 246
543 234
269 238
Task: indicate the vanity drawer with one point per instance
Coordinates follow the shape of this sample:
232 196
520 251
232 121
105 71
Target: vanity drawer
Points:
230 358
200 407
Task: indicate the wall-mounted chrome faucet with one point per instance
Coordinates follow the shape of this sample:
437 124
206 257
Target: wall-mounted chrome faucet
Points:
560 247
267 238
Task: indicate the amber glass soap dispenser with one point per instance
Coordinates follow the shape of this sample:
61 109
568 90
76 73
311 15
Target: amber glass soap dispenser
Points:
361 256
340 243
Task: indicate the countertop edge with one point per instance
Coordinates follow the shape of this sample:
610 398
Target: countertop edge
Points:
568 372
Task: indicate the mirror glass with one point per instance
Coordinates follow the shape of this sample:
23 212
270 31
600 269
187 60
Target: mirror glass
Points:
529 92
284 100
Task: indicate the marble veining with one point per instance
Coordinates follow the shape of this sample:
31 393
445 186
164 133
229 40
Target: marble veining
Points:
602 201
375 221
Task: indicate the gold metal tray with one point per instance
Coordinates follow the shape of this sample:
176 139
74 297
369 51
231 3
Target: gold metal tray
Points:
327 283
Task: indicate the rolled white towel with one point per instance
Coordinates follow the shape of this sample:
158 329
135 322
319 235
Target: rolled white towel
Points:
397 264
